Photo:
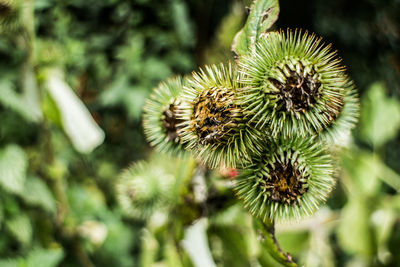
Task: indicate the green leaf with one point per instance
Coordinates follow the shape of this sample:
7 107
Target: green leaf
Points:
182 23
44 258
115 92
380 116
353 232
20 227
37 193
18 103
13 165
262 16
9 263
77 121
361 172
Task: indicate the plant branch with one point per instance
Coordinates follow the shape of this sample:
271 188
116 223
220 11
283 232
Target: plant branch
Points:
267 232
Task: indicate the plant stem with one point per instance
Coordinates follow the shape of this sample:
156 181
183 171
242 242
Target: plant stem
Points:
267 232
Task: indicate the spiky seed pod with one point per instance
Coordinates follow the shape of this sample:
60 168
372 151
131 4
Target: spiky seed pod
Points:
214 127
294 84
338 132
142 189
289 181
160 121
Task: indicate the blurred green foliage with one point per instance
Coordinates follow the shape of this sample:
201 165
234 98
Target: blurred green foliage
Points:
57 197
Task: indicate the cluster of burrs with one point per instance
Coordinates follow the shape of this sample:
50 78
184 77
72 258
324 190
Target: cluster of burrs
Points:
274 115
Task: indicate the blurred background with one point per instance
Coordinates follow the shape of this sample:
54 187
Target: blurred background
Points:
74 75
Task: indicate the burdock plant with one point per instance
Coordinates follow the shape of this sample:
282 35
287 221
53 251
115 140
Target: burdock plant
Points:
143 189
274 115
160 119
294 84
288 181
214 126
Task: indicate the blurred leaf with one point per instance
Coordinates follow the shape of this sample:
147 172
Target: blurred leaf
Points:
229 245
182 23
226 228
354 232
295 242
115 93
362 172
78 123
37 193
117 248
13 165
20 227
132 51
380 116
320 252
44 258
86 201
9 263
263 14
11 99
134 101
383 221
156 69
30 96
221 47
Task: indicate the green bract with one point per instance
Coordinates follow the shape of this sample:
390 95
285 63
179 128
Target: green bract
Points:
294 84
289 180
160 120
214 127
142 189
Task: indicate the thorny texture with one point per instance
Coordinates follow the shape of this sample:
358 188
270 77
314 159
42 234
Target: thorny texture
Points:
214 115
171 123
285 182
299 92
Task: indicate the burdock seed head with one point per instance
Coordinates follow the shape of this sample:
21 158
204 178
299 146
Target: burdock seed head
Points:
160 121
289 180
142 189
213 124
294 84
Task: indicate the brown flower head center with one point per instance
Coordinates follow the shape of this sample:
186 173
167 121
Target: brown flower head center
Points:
298 92
170 123
286 183
214 115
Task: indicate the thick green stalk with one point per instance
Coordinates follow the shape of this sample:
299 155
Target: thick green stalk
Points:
267 231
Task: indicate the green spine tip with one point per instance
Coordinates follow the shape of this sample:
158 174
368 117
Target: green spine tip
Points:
294 84
142 189
160 120
214 127
290 181
339 131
